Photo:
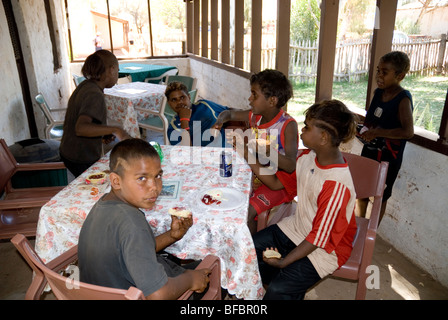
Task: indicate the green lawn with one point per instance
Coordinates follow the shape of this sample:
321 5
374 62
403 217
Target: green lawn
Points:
428 95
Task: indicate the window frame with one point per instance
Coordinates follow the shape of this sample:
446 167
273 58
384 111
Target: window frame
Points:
433 141
149 56
426 139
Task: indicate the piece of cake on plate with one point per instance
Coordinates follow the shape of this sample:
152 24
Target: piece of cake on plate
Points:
213 196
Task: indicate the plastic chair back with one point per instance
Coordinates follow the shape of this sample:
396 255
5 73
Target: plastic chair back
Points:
159 63
19 207
193 94
162 79
8 165
67 288
44 107
78 79
54 128
39 281
190 82
155 121
369 179
214 288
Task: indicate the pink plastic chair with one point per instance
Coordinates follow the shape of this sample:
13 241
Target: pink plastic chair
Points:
214 289
39 280
369 178
19 208
68 289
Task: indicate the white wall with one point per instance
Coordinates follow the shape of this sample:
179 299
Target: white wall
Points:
416 220
220 85
213 83
13 122
38 59
38 53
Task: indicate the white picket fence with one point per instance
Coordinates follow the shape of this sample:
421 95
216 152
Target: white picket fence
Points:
352 59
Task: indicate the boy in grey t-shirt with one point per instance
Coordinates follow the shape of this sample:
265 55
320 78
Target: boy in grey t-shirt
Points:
116 245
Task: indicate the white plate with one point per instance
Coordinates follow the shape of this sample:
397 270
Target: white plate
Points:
231 199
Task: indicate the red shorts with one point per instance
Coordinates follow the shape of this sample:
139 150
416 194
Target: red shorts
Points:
265 198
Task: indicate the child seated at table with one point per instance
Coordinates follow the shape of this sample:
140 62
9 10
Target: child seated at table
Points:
270 91
117 247
317 239
194 118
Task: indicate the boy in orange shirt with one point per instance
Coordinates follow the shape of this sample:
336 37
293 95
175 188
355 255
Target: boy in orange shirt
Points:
270 91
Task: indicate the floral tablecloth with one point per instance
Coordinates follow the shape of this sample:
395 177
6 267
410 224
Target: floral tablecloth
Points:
188 173
121 100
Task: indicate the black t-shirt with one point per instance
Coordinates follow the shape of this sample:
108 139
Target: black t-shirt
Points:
385 115
87 99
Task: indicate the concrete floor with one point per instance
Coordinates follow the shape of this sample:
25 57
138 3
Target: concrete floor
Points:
399 279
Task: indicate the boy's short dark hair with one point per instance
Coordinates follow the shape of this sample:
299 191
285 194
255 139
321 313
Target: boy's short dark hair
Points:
273 83
130 149
334 117
399 60
174 86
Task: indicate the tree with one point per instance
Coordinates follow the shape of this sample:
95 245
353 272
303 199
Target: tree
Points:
171 12
305 20
137 9
425 5
355 13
